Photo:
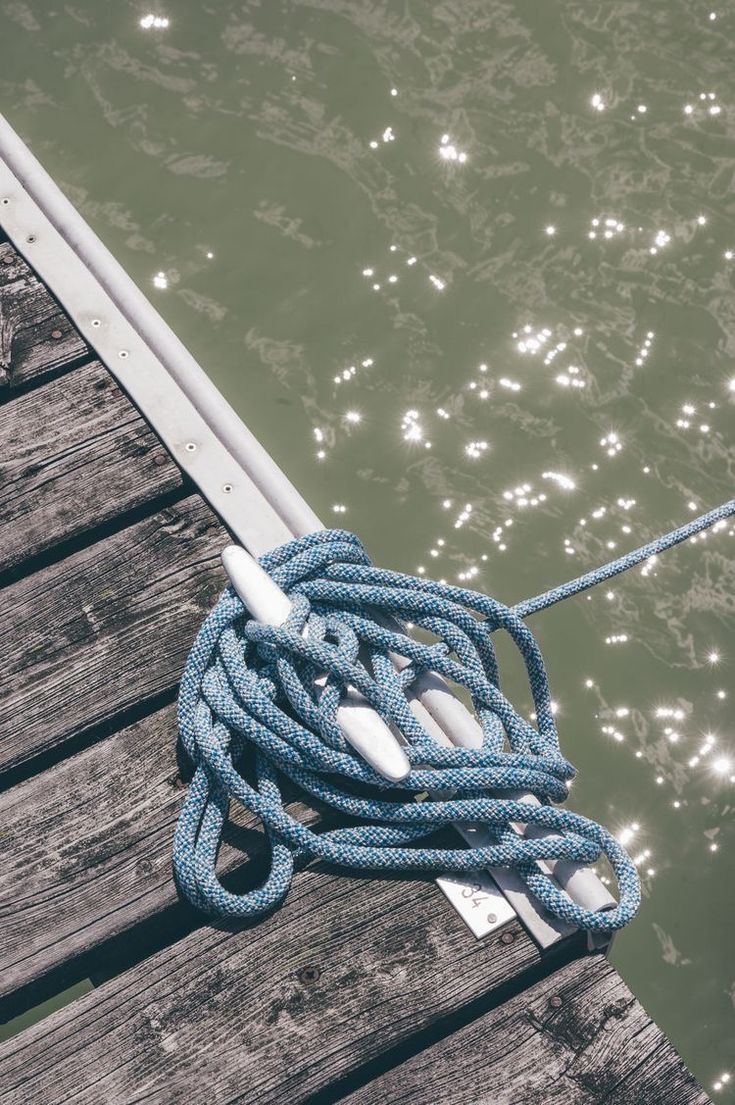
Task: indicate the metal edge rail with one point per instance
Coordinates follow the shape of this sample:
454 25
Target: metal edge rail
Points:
203 433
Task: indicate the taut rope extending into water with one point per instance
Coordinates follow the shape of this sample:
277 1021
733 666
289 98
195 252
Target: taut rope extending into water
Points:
246 683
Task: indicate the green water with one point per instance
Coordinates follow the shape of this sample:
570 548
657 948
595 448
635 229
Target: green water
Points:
557 166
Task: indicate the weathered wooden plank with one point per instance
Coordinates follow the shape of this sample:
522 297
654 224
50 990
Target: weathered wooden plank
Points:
85 848
35 334
578 1037
345 969
73 455
105 628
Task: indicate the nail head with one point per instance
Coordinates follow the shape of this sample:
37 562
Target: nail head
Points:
308 974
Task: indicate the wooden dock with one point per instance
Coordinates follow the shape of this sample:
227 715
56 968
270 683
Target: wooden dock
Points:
358 990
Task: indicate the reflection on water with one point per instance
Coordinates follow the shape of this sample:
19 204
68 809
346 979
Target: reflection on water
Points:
467 270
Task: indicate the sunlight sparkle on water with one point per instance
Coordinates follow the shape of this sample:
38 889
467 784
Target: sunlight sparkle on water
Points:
606 227
532 342
565 482
412 430
645 349
611 443
386 136
157 22
627 833
571 378
463 516
449 152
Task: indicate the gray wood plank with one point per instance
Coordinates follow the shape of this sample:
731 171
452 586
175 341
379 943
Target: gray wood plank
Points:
578 1037
219 1017
105 628
35 334
74 454
85 848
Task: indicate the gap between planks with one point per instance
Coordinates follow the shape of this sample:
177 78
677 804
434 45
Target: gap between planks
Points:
219 1011
86 849
106 628
76 455
578 1037
36 337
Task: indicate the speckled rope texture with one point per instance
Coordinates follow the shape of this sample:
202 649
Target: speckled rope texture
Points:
248 684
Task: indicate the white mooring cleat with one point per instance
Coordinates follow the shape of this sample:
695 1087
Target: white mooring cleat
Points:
361 725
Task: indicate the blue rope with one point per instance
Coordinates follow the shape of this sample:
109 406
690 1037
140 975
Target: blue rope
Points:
251 686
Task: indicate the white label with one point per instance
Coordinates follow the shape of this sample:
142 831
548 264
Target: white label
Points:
477 900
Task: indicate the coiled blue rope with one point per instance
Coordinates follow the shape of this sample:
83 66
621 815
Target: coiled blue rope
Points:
248 684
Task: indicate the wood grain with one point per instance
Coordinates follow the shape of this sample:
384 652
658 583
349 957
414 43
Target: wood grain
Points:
85 848
35 334
223 1017
105 629
74 454
576 1038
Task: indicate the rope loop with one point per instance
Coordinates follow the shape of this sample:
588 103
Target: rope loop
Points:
276 689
